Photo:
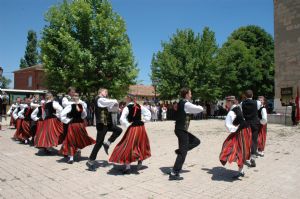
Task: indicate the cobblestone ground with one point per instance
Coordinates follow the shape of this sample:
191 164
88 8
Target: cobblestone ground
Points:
26 174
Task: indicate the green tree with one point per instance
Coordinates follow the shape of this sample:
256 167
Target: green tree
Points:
4 82
187 60
206 74
23 63
31 53
85 45
246 61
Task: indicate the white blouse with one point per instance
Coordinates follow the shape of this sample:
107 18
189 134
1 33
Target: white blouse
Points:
146 115
68 109
229 121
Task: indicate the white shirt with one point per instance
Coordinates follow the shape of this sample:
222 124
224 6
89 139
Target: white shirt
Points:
110 104
34 116
15 113
229 121
146 115
264 115
192 108
65 102
57 107
21 113
10 109
66 110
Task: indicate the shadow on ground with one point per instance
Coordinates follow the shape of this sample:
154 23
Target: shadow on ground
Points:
167 170
221 174
118 170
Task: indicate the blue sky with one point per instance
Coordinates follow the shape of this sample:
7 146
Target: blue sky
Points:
148 23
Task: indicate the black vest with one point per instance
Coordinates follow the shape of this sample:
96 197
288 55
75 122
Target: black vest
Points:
75 114
182 118
102 114
135 115
39 114
239 120
250 110
49 110
27 113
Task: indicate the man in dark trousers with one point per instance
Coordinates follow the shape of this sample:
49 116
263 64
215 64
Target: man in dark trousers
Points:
186 141
104 123
250 109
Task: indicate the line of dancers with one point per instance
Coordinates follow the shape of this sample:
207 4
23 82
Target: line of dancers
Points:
46 124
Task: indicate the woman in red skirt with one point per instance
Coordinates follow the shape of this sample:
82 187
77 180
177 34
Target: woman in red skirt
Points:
37 118
18 120
262 135
236 147
134 145
12 123
25 114
77 136
50 130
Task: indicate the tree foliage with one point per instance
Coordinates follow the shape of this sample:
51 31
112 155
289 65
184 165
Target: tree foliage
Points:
187 60
4 82
85 45
31 53
246 61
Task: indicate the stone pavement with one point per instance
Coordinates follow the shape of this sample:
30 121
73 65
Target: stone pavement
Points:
25 174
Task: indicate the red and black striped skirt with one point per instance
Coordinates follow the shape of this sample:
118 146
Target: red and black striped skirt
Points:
134 146
48 133
77 138
25 133
262 136
18 129
236 147
12 121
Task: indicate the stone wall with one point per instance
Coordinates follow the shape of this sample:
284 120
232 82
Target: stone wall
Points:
287 48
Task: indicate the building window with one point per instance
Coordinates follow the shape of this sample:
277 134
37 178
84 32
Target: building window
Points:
30 81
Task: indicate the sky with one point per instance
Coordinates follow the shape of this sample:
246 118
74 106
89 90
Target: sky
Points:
149 22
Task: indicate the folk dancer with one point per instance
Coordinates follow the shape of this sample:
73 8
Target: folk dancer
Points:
134 145
186 141
50 129
250 109
77 136
262 135
103 124
236 147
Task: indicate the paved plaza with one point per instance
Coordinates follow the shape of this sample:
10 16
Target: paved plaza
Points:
24 173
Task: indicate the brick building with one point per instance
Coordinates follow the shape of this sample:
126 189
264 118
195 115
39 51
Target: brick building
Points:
30 78
143 92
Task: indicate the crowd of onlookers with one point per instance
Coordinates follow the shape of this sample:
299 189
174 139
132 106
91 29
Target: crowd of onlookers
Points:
167 110
160 111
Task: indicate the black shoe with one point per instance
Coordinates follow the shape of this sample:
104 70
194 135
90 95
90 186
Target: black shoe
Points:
31 143
175 176
78 156
91 166
70 161
240 174
177 151
126 171
106 147
253 164
139 165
